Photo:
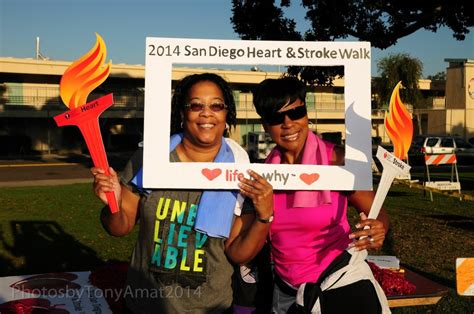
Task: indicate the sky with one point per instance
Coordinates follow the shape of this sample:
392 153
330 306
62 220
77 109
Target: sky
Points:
66 29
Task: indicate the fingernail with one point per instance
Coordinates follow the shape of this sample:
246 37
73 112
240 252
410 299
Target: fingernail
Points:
249 171
351 245
357 226
351 236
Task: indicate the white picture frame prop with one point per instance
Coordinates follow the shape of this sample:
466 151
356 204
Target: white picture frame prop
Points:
162 53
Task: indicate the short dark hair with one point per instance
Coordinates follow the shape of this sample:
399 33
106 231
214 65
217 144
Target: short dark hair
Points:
181 94
271 94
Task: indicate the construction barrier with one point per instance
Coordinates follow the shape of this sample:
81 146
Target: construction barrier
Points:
439 160
443 159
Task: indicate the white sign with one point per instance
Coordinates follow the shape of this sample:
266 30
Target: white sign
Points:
163 53
385 261
444 185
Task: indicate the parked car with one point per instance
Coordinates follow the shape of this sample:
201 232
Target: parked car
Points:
441 144
415 153
447 145
416 147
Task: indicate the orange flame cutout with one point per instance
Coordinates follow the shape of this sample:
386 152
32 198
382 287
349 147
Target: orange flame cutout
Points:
84 75
399 124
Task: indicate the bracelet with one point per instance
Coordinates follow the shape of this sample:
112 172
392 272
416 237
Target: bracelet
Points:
265 221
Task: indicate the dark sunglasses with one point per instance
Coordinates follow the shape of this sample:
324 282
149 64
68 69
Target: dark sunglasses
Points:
200 107
278 117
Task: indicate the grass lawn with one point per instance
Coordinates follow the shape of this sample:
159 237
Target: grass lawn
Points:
427 237
55 228
45 229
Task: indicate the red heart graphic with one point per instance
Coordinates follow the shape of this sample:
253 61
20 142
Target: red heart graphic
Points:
309 178
211 174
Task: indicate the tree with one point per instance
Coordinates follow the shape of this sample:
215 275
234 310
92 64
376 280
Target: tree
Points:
254 19
440 76
395 68
380 22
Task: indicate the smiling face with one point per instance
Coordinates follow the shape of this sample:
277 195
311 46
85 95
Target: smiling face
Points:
204 128
290 136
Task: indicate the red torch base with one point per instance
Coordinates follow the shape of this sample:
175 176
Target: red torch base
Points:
86 118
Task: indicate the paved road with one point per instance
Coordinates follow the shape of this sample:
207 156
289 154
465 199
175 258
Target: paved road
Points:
49 170
43 174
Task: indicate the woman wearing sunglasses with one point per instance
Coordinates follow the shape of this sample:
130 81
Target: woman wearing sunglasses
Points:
316 256
181 259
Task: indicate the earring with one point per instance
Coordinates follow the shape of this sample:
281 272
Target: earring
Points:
182 125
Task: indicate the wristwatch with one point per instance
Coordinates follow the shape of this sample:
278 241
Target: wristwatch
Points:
265 221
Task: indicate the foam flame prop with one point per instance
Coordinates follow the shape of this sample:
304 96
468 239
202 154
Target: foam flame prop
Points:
79 79
399 126
84 75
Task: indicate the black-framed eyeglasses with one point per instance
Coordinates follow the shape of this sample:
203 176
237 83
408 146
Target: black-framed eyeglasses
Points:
196 107
278 117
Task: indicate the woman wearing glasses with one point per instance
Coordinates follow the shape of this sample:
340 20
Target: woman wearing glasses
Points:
180 262
317 260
